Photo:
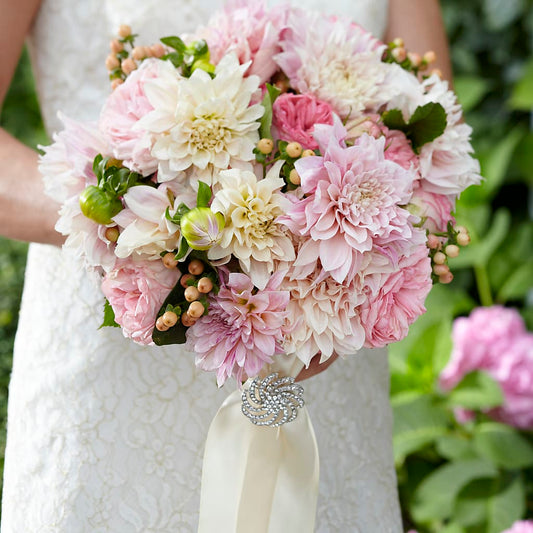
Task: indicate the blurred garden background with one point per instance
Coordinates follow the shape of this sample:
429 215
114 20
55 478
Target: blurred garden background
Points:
477 476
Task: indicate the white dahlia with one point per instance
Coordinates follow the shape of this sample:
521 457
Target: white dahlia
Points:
201 121
252 234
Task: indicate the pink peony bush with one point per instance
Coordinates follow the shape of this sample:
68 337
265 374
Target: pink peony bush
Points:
494 339
522 526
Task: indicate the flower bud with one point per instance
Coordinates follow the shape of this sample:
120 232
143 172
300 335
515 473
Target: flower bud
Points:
202 228
112 234
99 205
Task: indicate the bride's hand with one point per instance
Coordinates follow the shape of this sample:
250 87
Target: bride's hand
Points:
315 367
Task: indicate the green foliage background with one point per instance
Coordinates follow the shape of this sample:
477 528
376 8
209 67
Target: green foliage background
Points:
476 478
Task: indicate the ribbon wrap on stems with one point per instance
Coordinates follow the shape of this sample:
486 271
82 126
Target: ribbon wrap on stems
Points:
258 479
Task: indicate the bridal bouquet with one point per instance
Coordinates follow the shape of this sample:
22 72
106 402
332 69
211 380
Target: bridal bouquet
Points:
280 183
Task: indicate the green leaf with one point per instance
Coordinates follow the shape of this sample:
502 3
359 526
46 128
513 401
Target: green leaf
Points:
518 284
523 158
455 446
470 90
501 13
503 445
417 423
175 42
394 120
183 249
435 497
266 120
204 195
477 390
522 95
176 58
109 316
426 124
452 528
507 506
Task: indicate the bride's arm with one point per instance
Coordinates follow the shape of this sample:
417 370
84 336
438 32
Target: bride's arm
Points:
419 24
26 213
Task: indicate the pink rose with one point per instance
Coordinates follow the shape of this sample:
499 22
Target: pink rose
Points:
494 339
125 106
387 315
399 149
136 290
295 116
434 209
522 526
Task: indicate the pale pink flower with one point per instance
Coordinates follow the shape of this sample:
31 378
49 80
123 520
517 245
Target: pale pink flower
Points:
398 148
250 31
124 107
435 210
338 62
243 329
136 290
494 339
295 116
522 526
387 314
322 316
352 204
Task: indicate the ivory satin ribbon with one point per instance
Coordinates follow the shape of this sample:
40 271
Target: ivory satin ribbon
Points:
258 479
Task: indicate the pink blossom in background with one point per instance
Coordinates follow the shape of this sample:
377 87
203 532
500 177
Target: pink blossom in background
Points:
353 203
434 209
494 339
387 315
243 330
295 116
249 30
124 107
136 289
522 526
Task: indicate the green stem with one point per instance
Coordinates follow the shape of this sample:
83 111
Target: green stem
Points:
483 286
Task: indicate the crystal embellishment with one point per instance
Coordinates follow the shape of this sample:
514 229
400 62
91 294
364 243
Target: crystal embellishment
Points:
272 401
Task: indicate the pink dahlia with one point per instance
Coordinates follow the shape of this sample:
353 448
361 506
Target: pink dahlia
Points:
522 526
353 203
295 116
387 314
249 30
124 107
243 329
136 289
494 339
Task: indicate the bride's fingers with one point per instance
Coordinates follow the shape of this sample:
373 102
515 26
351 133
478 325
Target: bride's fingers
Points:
315 367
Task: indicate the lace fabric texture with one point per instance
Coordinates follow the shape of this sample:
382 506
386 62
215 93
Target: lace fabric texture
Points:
107 436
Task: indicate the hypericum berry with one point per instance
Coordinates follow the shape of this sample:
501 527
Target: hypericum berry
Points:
463 239
128 65
187 320
124 31
169 260
452 250
439 258
196 310
184 279
308 153
265 146
446 278
196 267
139 52
294 177
398 42
399 54
294 149
436 72
170 318
414 58
440 270
116 46
116 83
160 325
112 62
433 241
192 293
205 285
157 50
461 229
430 57
112 234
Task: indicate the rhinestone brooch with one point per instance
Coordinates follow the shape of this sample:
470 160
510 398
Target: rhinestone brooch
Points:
272 401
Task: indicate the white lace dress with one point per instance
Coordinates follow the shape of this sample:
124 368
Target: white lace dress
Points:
107 436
